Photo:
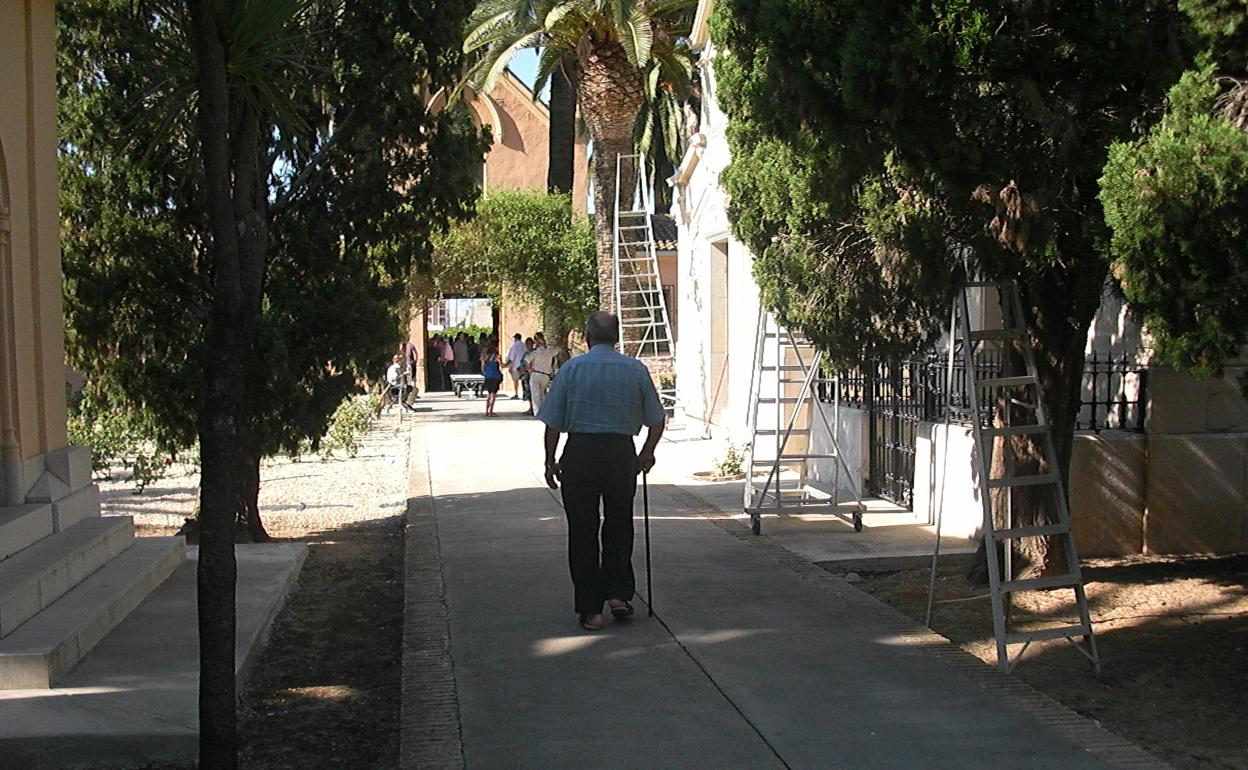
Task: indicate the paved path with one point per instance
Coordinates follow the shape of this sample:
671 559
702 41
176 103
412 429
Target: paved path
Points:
756 659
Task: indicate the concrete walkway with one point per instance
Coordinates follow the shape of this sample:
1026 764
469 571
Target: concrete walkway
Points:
755 659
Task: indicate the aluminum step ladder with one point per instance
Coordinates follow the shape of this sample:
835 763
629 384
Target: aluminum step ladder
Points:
645 326
1022 394
784 406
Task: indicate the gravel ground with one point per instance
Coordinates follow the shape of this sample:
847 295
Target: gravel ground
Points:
297 497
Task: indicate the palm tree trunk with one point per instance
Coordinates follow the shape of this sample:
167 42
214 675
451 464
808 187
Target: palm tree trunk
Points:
610 93
561 168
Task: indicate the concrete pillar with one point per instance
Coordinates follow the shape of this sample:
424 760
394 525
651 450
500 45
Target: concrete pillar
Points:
36 466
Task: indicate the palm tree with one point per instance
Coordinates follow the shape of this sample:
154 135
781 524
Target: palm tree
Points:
617 47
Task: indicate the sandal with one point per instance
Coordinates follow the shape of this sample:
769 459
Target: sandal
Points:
591 621
623 610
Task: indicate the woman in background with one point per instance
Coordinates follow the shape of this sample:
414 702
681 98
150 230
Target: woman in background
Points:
492 370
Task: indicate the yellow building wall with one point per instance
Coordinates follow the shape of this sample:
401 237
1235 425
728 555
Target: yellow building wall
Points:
32 392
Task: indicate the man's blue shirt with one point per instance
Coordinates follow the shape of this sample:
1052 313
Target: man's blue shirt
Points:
602 391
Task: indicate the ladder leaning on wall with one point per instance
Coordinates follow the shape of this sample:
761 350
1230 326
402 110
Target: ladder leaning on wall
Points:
1023 397
784 406
645 328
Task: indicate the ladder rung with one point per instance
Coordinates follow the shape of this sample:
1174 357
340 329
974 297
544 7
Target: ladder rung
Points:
988 285
784 368
997 334
785 400
799 339
1038 530
1060 632
1033 584
774 432
635 227
633 213
1024 481
1008 382
794 458
1015 430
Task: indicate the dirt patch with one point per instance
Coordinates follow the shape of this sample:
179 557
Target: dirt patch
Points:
325 692
1172 635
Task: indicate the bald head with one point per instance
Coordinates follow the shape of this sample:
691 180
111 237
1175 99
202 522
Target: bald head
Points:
602 328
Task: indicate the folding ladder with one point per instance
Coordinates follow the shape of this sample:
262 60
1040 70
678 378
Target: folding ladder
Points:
1022 394
645 329
783 408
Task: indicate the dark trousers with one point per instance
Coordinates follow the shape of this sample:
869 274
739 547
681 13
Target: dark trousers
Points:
599 468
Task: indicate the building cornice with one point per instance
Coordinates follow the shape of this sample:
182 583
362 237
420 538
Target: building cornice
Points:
700 34
693 154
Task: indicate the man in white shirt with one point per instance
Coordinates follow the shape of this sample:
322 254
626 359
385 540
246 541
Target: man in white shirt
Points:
396 379
513 362
542 362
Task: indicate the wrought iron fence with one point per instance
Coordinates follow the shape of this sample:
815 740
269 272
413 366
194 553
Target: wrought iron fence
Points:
1114 394
900 394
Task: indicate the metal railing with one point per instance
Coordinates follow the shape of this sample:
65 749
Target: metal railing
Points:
1114 395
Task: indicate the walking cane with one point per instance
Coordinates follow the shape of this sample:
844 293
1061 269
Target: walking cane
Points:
645 511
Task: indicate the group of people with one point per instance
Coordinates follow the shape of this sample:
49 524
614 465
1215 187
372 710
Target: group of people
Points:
462 354
530 363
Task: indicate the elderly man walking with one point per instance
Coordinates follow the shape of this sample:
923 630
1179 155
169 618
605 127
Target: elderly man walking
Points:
542 363
601 400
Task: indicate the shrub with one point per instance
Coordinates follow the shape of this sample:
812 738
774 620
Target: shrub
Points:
733 460
353 417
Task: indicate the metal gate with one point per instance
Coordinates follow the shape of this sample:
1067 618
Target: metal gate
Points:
898 395
896 409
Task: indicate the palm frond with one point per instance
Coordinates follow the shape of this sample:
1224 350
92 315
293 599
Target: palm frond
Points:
637 37
557 13
486 73
487 32
670 8
546 65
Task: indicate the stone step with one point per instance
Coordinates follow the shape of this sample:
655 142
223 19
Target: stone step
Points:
24 525
37 576
43 649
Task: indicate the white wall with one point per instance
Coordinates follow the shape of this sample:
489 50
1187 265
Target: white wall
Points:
702 223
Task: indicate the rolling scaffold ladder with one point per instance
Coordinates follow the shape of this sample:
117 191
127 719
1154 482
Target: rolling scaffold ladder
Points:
784 405
1023 397
645 328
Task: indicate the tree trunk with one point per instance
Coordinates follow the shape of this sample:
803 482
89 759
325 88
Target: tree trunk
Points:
250 526
1059 307
561 168
222 402
609 90
232 143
